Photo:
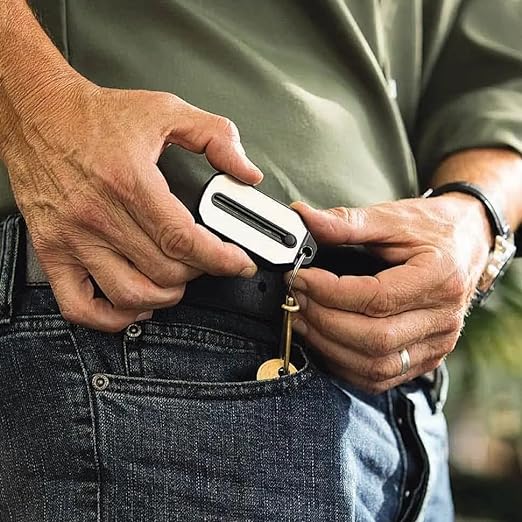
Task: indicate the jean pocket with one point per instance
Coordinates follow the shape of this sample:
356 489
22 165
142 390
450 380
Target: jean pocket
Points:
234 450
200 362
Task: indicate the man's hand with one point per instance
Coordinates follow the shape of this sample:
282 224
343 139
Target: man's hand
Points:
82 163
84 175
439 246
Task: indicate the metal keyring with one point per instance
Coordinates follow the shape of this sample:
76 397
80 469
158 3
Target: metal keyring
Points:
297 266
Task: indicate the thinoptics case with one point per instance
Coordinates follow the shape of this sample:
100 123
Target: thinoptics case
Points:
270 231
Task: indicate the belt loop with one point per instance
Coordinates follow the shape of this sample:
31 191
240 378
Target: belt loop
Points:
12 230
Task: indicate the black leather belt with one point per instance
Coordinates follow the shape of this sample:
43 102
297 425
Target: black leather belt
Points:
260 297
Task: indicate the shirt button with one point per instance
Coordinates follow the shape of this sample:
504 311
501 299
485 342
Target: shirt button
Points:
407 493
399 421
133 330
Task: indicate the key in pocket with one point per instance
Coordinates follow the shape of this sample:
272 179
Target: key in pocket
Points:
275 368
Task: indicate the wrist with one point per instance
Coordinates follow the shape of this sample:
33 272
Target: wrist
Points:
503 250
33 73
496 171
474 210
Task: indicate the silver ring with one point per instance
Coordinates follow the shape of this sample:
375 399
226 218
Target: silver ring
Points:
405 360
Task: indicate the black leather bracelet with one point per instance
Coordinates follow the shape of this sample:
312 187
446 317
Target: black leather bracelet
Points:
495 217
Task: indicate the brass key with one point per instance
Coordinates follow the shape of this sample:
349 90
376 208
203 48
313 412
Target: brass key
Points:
290 307
275 368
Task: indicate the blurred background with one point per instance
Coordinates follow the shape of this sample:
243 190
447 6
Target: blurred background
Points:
484 408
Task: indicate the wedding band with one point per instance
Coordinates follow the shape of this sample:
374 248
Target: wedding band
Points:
405 360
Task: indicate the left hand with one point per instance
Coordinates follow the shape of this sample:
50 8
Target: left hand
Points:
439 247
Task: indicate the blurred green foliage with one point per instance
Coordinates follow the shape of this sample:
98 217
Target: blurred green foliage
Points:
484 407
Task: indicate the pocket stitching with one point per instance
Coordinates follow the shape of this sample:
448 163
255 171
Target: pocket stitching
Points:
131 385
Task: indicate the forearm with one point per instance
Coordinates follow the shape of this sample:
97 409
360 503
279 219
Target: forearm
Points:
32 70
497 171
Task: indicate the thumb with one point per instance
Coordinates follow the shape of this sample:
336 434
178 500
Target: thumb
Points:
215 136
343 226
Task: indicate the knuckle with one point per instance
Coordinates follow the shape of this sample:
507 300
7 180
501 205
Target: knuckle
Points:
89 213
383 340
129 299
353 216
166 274
457 284
165 277
86 209
169 99
343 213
379 305
227 127
177 240
119 181
71 315
453 323
451 342
382 370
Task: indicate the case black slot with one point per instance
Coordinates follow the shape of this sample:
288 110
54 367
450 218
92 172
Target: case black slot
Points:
254 220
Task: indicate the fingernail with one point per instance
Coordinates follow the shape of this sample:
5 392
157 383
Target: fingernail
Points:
300 326
258 172
302 300
145 316
299 284
249 271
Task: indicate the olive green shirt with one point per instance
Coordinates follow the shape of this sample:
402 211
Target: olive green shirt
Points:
311 84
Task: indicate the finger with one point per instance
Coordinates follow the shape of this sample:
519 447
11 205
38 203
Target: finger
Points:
172 227
392 291
74 293
120 231
215 136
376 337
375 388
353 226
125 286
426 354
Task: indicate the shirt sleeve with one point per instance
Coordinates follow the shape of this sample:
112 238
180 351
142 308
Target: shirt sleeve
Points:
473 95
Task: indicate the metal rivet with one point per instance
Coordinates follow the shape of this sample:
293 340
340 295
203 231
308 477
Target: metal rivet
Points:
133 330
100 381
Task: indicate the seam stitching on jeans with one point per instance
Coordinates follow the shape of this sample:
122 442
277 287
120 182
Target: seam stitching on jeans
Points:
93 424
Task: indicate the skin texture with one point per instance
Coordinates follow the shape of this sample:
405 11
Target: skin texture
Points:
82 164
439 247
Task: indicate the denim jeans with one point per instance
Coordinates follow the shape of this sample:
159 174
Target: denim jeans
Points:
165 422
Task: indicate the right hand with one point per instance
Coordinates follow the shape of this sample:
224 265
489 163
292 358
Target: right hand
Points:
82 163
